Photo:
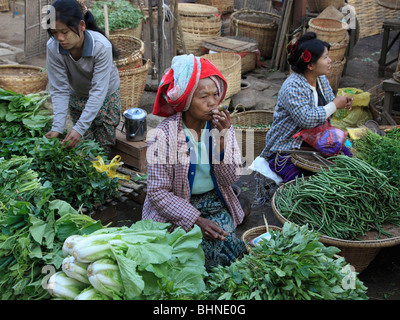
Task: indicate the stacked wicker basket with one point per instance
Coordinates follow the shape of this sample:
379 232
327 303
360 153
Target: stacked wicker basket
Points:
320 5
132 69
198 23
258 25
335 33
223 6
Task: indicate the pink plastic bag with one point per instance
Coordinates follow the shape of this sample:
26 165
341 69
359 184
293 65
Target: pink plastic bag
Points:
325 138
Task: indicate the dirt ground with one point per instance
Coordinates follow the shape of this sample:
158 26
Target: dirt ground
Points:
382 276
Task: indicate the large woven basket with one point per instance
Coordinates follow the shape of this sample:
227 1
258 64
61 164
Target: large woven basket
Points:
134 32
198 22
223 6
131 50
358 253
133 82
258 25
391 4
253 233
321 5
328 30
4 5
338 50
23 79
246 130
229 64
335 74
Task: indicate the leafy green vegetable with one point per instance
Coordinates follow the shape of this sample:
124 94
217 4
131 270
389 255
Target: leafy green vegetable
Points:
294 265
121 14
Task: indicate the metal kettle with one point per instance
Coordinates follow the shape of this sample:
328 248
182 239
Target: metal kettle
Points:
135 124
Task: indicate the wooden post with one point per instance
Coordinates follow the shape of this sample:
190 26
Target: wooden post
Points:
174 9
160 67
106 31
153 76
299 12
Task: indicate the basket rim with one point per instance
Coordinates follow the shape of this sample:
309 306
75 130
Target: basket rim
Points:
244 113
24 66
136 70
345 25
255 229
234 16
202 10
335 241
134 55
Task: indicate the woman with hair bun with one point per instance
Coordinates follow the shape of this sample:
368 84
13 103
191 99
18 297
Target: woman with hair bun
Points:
305 101
82 76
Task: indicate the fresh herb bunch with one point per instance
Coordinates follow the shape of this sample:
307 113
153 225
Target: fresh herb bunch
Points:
72 176
381 152
293 265
121 14
23 116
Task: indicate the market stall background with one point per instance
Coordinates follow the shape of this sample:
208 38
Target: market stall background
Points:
383 271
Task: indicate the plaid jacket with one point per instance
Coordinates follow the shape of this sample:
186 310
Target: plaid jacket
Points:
169 169
295 110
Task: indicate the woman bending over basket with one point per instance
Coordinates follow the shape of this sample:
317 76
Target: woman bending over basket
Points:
82 75
193 159
305 101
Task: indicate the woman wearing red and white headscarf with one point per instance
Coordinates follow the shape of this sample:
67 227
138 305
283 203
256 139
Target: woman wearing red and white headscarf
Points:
194 159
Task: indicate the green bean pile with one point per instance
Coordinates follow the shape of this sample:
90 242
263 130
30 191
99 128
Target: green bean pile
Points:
344 201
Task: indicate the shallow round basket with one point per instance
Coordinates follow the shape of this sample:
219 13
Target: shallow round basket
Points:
308 162
230 66
358 253
258 25
246 130
131 50
190 10
133 82
328 30
253 233
23 79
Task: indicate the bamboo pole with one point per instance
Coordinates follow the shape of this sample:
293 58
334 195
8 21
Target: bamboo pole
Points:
160 66
106 27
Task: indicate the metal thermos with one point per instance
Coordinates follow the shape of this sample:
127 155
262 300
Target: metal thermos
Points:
135 124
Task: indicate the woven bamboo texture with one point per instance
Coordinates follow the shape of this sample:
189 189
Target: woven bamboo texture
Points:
133 82
134 32
23 79
320 5
307 162
198 22
131 50
335 73
391 4
229 64
246 130
358 253
4 5
371 16
253 233
223 6
328 30
258 25
338 50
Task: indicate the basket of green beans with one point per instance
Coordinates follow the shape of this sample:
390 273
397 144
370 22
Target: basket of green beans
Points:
352 205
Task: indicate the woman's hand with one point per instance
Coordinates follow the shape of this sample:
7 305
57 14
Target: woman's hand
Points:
73 138
343 102
221 121
52 134
211 230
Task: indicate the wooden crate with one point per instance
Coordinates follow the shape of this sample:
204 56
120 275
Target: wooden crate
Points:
133 153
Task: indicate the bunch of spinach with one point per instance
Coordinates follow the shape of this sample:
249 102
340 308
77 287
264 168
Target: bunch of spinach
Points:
294 264
381 152
23 115
71 175
121 14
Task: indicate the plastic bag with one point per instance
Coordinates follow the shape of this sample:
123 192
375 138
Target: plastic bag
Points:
325 138
111 168
360 98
